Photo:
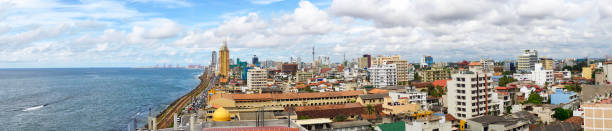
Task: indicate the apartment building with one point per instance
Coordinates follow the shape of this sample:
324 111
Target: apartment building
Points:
403 69
547 63
470 93
435 73
383 75
256 78
303 76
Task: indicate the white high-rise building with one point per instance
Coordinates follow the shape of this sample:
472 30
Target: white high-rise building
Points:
471 94
383 75
607 68
256 78
527 60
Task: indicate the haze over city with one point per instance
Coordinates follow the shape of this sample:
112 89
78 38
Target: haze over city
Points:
37 33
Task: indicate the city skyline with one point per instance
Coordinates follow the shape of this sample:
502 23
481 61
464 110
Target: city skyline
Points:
149 32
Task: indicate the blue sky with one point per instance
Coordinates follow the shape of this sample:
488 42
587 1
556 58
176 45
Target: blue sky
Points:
92 33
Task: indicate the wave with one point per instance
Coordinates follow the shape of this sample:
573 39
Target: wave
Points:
34 108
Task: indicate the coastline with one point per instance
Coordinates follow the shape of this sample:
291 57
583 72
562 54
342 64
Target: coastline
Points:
165 118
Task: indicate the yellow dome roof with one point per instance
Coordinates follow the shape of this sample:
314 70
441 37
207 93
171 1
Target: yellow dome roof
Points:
221 115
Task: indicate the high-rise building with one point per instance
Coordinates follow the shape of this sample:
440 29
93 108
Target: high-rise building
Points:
299 63
547 63
487 64
255 61
383 75
224 63
256 78
471 93
527 60
365 61
213 60
427 61
403 74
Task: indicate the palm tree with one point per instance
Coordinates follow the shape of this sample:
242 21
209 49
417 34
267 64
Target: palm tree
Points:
370 109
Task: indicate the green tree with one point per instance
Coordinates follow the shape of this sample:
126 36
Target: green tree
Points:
440 90
417 77
534 98
574 87
508 109
505 80
506 73
303 117
431 90
339 118
562 114
370 109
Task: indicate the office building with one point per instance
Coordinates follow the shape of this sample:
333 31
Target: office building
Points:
256 78
527 60
383 75
471 94
427 61
255 61
547 63
303 76
224 68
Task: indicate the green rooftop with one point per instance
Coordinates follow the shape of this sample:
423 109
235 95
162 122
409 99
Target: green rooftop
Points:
396 126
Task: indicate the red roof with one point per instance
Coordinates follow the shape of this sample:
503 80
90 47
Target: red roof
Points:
474 63
323 70
450 117
575 120
441 83
502 88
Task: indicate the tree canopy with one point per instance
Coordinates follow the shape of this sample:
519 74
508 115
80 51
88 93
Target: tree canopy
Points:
534 98
562 114
505 80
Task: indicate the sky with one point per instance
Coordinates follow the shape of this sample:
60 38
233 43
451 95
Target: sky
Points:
128 33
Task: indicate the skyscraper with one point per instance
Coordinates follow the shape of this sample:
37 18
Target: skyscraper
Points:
255 60
224 62
213 60
527 60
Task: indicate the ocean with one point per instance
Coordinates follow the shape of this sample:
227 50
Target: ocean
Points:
88 98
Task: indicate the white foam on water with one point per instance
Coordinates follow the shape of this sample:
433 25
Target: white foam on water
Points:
33 108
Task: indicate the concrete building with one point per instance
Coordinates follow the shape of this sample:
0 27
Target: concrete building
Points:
383 75
497 123
430 123
401 106
303 76
435 73
224 68
403 71
587 73
562 96
289 68
413 96
470 93
527 60
541 76
360 125
256 78
365 61
284 100
597 117
547 63
487 64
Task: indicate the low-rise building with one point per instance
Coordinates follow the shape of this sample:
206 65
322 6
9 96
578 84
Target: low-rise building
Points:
401 106
430 123
562 96
371 99
351 111
412 95
497 123
315 124
284 100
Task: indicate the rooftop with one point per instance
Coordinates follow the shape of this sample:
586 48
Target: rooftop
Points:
270 96
350 124
313 121
373 96
488 119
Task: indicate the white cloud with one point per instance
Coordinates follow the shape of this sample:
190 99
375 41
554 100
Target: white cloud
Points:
264 2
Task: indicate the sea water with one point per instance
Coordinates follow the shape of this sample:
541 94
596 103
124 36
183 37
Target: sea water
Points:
88 98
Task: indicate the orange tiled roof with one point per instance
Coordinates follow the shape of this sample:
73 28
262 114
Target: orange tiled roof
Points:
501 88
441 83
474 63
270 96
450 117
328 107
378 91
575 120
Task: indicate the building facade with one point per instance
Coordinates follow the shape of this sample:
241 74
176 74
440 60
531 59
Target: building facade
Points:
607 68
303 76
383 75
541 76
435 73
427 61
403 70
561 96
547 63
597 117
256 78
526 61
